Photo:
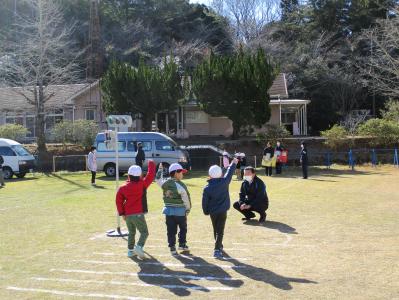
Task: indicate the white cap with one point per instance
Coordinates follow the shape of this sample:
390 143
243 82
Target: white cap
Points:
225 153
215 171
242 154
134 171
176 167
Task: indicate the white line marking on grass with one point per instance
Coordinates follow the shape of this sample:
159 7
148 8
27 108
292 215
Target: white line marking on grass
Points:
189 242
199 248
74 294
193 277
169 255
113 282
97 262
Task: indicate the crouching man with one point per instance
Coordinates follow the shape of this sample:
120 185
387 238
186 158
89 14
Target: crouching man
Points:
253 196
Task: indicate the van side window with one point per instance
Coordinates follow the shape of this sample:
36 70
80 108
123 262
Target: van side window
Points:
7 151
102 147
164 146
132 145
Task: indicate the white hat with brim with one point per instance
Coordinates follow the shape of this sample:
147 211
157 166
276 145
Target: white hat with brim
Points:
176 167
134 171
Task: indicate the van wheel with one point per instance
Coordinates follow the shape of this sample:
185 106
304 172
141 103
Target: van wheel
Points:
8 173
20 175
110 170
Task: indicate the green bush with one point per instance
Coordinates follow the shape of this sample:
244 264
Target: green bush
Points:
84 132
336 137
382 131
271 134
391 111
13 132
63 132
81 132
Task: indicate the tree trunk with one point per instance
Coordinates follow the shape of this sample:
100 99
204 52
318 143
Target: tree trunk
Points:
40 122
236 131
147 121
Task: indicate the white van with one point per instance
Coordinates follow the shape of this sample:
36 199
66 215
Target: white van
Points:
17 160
156 146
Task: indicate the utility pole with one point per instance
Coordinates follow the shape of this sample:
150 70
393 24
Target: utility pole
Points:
95 58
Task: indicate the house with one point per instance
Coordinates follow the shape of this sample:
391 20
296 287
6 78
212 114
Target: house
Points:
69 102
189 120
83 101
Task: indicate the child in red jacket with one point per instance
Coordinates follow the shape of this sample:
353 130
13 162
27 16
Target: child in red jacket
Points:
131 202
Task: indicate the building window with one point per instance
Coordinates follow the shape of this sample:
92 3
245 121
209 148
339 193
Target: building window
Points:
54 118
18 120
90 114
288 117
30 125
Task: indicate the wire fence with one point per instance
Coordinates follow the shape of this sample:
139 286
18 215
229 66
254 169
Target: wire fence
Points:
352 157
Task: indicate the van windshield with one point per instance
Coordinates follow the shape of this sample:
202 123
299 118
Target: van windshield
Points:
21 151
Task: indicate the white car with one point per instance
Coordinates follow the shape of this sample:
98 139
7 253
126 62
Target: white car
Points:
17 160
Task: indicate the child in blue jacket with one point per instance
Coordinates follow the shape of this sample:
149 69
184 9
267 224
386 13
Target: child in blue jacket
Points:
216 202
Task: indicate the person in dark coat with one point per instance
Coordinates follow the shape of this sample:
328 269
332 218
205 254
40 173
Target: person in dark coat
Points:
277 152
216 202
304 160
2 184
253 196
140 155
268 151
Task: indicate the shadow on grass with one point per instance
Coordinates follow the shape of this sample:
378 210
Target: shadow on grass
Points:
284 228
106 178
177 282
20 179
68 180
266 276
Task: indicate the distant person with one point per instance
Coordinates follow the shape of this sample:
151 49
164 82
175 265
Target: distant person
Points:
140 155
243 164
216 202
277 152
2 184
131 202
177 205
92 164
253 196
226 160
304 160
238 167
268 154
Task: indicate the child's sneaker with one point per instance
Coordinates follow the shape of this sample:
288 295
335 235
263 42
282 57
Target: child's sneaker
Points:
138 250
130 253
173 250
218 254
184 248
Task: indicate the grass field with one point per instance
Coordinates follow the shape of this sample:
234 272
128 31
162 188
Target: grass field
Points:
334 236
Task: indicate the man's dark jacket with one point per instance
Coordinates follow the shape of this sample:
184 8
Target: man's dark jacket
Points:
254 193
140 156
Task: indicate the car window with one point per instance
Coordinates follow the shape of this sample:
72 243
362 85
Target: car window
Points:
102 147
7 151
21 151
132 145
164 146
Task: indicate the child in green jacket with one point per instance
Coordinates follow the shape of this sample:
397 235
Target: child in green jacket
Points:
177 205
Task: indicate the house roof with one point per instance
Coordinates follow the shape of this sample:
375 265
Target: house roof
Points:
279 87
12 99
